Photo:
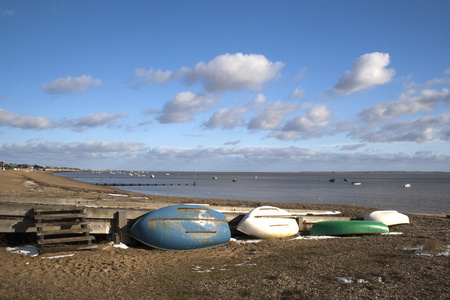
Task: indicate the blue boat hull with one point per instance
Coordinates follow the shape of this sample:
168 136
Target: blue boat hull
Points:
182 227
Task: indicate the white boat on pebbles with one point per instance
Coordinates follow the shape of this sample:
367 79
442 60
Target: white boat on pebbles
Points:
388 217
268 222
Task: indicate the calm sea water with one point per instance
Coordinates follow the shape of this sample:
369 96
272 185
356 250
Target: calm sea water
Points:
429 192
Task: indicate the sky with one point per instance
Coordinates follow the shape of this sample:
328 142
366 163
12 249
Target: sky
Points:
258 86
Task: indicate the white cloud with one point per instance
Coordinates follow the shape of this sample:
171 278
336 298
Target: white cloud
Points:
96 120
317 116
312 124
154 77
301 74
233 72
368 70
405 105
184 106
270 116
233 143
9 118
412 87
417 130
352 147
227 118
71 154
297 93
70 85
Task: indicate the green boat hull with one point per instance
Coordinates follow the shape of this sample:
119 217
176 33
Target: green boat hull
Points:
348 228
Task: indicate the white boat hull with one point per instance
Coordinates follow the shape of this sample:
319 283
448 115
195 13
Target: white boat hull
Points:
268 222
388 217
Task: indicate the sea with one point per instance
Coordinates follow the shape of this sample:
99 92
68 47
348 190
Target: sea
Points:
428 192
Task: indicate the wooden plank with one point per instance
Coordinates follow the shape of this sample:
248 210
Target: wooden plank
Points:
59 216
59 223
122 226
67 248
66 240
21 225
63 231
58 210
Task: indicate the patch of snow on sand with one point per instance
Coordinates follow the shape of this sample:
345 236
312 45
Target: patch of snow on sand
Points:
29 183
350 280
58 256
120 245
421 251
244 241
31 251
315 237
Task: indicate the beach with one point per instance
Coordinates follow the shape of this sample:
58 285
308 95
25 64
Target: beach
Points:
411 263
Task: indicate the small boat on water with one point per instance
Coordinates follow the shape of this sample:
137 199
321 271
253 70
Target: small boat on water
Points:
182 227
268 222
387 217
356 183
332 180
348 228
214 178
406 185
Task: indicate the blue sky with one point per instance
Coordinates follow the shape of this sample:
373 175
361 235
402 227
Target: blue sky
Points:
281 86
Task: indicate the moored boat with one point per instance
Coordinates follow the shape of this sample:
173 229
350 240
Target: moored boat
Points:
406 185
356 183
182 227
348 228
268 222
388 217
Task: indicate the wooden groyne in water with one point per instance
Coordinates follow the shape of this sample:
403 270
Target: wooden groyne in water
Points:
144 184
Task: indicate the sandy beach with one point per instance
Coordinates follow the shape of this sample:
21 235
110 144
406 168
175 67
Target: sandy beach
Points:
411 264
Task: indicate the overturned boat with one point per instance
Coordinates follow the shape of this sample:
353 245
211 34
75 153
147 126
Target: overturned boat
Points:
268 222
348 228
182 227
388 217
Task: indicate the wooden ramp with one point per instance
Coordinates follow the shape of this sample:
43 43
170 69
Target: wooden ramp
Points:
63 230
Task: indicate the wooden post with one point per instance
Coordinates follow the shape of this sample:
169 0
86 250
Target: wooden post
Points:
121 226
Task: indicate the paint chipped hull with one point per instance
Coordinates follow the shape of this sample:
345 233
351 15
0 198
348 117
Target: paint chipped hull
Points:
268 222
182 227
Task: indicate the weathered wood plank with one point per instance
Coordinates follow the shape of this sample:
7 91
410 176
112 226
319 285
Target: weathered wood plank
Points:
122 226
21 225
59 216
59 210
59 224
66 240
63 231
